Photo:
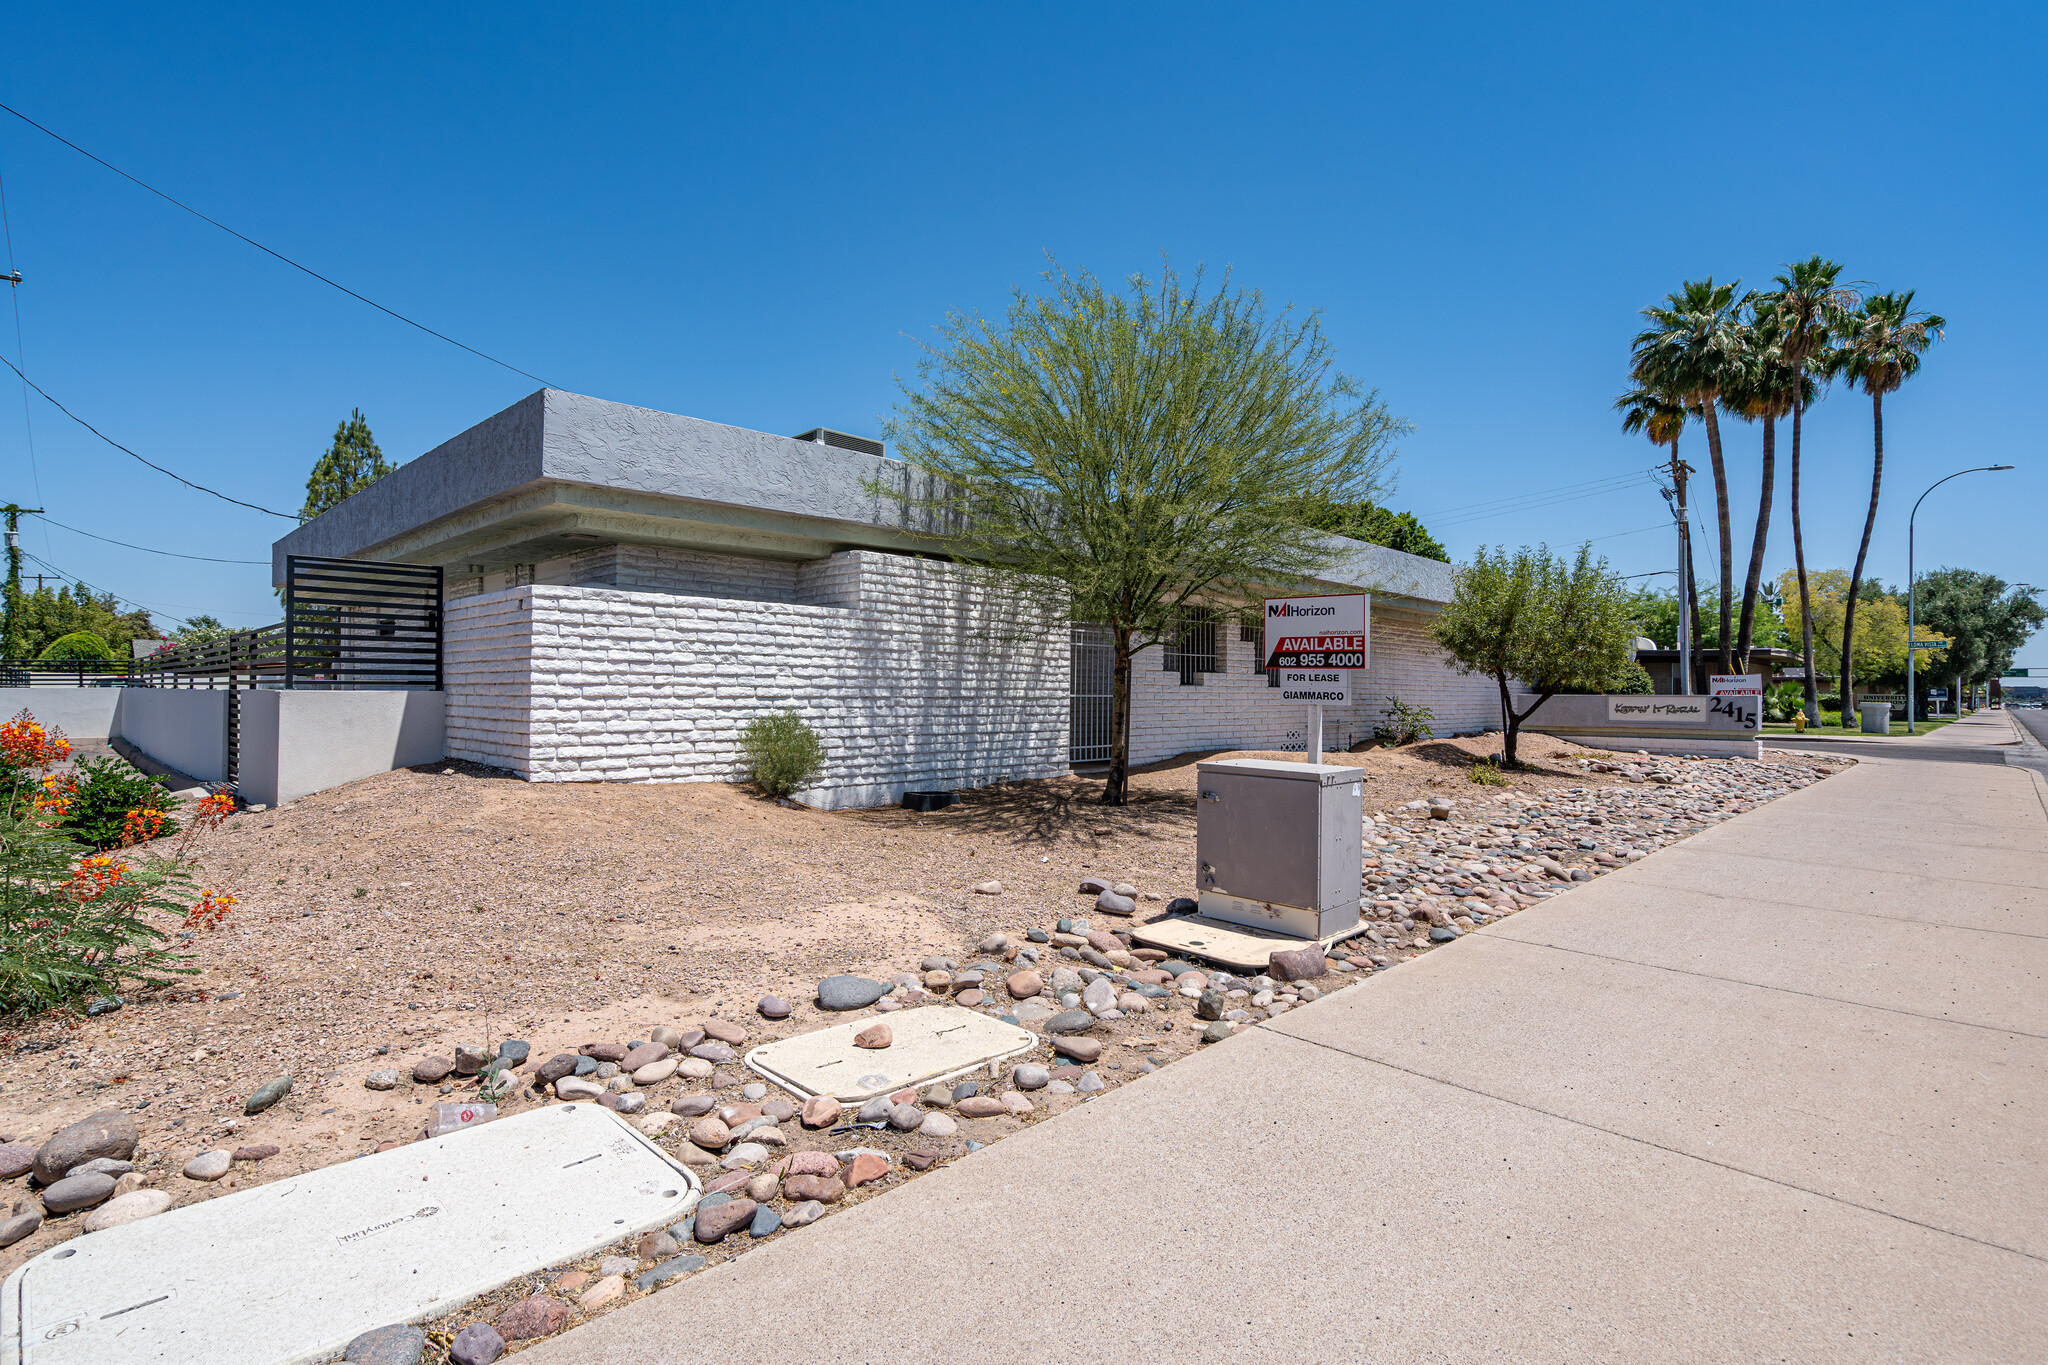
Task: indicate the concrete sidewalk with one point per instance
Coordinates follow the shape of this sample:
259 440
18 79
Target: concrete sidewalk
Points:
1776 1093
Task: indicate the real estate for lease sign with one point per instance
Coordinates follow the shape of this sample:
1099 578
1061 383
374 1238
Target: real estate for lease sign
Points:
1323 686
1318 633
1736 685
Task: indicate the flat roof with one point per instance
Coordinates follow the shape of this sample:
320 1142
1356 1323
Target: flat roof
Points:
558 472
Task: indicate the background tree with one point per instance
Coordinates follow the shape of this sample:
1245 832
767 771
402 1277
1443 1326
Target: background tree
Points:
1882 343
50 612
1692 349
1142 448
202 629
1530 616
350 465
78 646
1880 639
1376 525
1809 301
1985 619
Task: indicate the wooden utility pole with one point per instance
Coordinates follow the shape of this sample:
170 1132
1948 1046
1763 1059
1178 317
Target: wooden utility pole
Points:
13 632
1688 605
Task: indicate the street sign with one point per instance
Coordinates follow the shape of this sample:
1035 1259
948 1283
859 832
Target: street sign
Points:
1318 632
1930 644
1735 685
1323 686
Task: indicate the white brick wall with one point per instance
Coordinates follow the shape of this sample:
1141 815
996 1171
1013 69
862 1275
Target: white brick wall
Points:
487 660
1235 709
908 673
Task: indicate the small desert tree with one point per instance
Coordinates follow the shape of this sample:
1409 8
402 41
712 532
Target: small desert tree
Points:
1141 449
1531 616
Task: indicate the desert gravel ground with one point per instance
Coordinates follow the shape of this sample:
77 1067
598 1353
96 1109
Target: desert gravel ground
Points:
396 916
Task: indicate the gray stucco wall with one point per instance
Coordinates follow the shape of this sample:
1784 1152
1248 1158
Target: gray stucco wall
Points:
186 729
297 743
80 712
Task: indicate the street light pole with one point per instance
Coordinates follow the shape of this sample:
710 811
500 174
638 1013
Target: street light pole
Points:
1912 593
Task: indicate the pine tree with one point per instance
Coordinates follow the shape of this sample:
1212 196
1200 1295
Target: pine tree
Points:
350 465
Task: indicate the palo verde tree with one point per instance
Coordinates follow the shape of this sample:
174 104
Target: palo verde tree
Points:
350 465
1142 449
1531 617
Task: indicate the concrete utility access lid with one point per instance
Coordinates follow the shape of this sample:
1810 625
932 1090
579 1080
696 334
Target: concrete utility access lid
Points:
934 1043
291 1271
1233 945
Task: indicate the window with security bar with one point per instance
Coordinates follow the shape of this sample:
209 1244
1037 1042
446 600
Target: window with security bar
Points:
1192 645
1251 630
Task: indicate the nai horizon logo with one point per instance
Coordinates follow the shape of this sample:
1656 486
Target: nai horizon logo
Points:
1317 632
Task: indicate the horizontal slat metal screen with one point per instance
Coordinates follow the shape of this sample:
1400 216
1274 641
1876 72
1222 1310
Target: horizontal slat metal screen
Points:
350 623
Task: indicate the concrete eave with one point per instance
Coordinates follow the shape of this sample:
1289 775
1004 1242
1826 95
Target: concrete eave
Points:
559 472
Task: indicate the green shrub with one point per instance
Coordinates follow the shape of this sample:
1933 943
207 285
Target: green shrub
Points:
79 644
1488 774
1633 680
107 790
782 752
1404 724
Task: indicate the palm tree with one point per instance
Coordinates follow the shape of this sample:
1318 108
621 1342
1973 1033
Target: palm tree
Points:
1662 417
1763 391
1881 347
1692 348
1809 303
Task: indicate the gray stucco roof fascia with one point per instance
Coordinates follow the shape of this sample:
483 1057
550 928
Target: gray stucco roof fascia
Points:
558 463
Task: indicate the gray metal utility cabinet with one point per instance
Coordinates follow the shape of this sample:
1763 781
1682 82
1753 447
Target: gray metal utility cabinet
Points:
1277 845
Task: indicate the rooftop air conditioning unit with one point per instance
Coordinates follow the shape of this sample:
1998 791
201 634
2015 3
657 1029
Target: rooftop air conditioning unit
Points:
825 436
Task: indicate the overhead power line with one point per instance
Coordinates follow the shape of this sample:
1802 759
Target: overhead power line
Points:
146 550
243 237
1522 502
126 451
1591 484
62 576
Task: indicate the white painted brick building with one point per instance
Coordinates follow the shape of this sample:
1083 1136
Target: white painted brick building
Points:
627 588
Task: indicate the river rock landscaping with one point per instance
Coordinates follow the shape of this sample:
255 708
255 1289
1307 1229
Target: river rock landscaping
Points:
446 938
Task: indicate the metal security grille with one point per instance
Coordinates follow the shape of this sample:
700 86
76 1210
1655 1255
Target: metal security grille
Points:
350 623
1091 694
1192 647
1251 630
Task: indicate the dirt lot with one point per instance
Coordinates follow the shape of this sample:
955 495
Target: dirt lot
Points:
399 915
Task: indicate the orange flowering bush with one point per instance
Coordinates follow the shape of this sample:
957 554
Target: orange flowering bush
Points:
74 927
140 825
29 747
212 908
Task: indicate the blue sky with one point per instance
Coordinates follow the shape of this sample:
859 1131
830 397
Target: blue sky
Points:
751 215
